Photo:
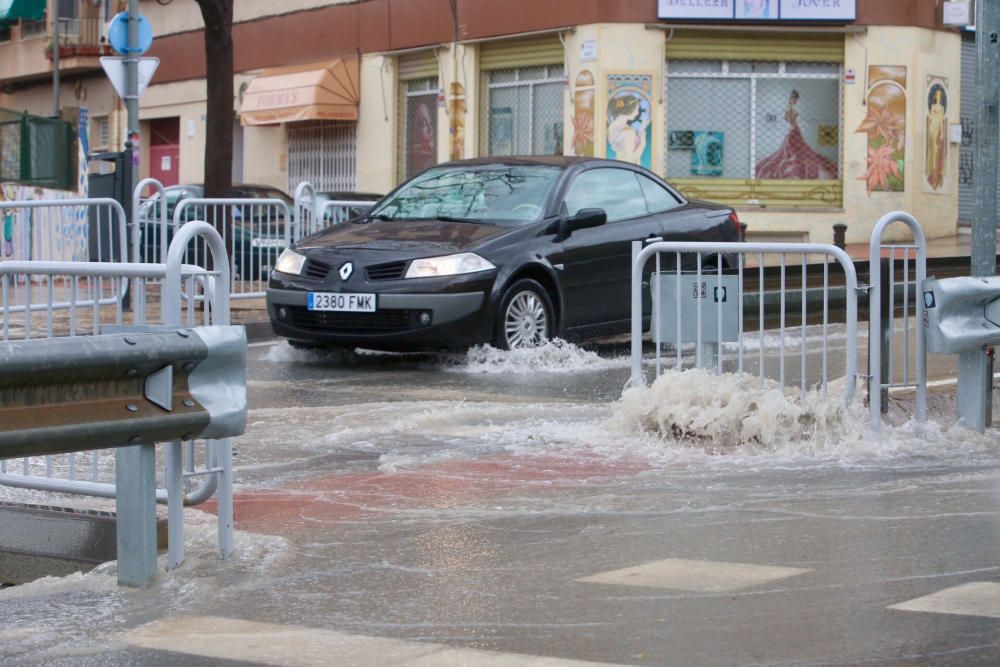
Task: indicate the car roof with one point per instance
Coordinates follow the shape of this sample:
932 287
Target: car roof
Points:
562 161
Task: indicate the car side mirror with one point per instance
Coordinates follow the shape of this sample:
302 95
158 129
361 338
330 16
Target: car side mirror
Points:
585 218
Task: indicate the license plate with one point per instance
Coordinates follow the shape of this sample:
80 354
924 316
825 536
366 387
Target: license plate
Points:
267 243
352 303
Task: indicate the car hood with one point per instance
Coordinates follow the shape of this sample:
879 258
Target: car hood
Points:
413 238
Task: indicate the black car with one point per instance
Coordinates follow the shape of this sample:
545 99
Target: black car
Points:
508 251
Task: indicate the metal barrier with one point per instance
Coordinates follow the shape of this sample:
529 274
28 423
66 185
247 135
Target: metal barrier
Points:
881 334
150 224
305 210
185 289
313 212
254 231
71 229
727 320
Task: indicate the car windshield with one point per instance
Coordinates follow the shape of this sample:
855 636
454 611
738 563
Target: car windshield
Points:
489 193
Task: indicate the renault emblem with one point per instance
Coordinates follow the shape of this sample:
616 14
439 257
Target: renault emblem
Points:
346 270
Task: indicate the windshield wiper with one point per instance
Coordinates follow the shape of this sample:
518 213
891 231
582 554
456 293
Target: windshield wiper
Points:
380 216
448 218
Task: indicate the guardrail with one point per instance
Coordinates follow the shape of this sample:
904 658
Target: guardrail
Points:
315 212
686 319
189 296
150 225
127 391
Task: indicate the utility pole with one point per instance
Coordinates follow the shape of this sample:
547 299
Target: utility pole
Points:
975 369
132 89
55 60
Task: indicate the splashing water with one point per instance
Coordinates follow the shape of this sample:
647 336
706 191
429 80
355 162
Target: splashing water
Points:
555 356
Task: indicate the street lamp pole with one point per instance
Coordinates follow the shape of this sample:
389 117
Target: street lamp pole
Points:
132 89
975 369
55 59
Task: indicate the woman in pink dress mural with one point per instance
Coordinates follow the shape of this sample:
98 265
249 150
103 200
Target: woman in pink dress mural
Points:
795 159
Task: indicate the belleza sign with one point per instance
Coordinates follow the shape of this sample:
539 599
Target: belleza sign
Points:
759 10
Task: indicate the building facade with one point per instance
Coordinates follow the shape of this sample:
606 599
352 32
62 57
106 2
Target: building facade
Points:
801 115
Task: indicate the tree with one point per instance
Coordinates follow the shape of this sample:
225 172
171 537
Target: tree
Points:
218 18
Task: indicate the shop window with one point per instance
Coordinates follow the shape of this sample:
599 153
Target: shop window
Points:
417 126
523 111
755 132
34 28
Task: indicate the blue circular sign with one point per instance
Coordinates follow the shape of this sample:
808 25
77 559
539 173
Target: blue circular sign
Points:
118 34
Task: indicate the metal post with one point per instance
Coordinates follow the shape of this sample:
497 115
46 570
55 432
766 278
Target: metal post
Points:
135 507
55 61
132 86
975 369
885 336
840 235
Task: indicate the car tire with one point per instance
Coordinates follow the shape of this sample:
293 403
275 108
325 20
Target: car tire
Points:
525 317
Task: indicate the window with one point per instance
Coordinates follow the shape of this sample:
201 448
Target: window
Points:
523 111
658 198
4 31
100 133
34 28
417 126
754 121
617 191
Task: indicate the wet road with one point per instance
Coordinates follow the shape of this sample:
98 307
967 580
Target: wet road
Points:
514 509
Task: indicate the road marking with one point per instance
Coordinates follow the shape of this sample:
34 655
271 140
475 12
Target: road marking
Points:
298 646
264 343
976 598
700 576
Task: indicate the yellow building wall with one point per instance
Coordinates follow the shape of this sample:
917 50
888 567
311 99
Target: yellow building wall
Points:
376 152
265 155
621 49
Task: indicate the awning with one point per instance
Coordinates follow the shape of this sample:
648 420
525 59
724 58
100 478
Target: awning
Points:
319 91
29 10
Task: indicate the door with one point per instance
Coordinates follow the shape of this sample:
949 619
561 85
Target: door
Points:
165 150
598 261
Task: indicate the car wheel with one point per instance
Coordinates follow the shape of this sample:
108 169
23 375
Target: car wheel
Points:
525 317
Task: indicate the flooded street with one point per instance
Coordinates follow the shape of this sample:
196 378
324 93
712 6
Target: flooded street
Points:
515 509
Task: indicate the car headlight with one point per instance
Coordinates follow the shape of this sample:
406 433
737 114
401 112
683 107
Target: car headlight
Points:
449 265
290 262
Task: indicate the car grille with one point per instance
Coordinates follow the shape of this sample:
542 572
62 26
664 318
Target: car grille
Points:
382 321
390 271
315 269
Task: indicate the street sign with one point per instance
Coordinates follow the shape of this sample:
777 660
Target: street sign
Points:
114 67
118 34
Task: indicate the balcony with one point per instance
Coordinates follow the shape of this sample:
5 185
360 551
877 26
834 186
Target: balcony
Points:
27 52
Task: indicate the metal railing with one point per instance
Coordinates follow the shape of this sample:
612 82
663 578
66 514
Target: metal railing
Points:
314 212
170 293
254 232
708 330
68 229
882 339
150 224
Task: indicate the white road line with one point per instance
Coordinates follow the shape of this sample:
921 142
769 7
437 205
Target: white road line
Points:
264 343
694 575
976 598
298 646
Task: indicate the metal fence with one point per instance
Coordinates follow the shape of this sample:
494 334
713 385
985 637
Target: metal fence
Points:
522 111
254 232
168 293
691 305
36 151
149 227
314 212
893 362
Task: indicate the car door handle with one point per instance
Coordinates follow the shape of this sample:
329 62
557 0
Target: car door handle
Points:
653 239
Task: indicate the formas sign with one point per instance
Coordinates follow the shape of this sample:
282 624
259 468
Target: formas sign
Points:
759 10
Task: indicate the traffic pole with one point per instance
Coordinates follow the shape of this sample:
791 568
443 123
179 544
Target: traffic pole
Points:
132 90
975 369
